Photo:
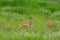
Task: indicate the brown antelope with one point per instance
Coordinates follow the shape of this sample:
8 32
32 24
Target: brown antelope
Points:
48 23
26 24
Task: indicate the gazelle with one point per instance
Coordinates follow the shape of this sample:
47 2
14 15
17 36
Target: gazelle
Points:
26 24
48 23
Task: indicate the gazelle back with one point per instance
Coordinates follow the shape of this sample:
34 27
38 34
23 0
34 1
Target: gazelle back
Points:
26 24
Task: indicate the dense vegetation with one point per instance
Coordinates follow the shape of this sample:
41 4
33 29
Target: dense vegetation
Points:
13 12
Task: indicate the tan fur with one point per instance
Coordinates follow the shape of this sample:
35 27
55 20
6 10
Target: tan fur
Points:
48 23
25 24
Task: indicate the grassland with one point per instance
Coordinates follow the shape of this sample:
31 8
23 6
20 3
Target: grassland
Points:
13 12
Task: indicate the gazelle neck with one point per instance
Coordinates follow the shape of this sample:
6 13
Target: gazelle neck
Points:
46 19
30 22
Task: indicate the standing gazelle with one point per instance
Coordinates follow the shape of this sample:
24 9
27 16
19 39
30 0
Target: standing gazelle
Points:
48 23
26 24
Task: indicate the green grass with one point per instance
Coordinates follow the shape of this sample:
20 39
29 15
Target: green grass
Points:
13 12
